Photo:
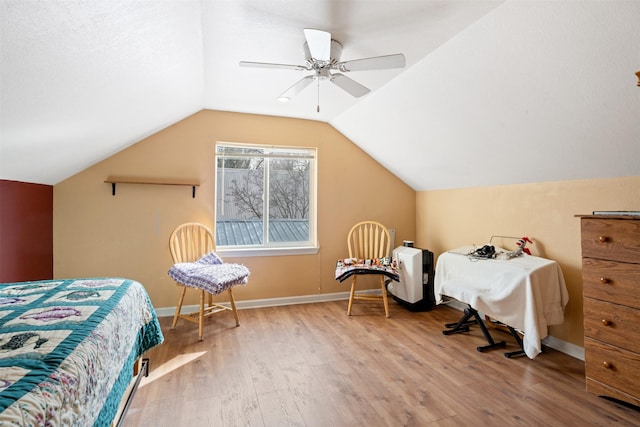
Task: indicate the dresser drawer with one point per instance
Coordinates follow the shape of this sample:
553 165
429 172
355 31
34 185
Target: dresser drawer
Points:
613 324
615 239
601 389
619 369
611 281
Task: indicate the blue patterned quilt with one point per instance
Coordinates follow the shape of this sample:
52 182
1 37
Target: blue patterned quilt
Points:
67 348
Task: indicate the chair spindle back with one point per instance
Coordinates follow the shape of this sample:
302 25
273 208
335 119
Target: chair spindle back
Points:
190 241
368 240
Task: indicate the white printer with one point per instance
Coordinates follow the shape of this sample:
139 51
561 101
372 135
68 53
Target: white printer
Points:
414 289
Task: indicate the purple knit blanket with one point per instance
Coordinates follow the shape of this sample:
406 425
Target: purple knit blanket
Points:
209 273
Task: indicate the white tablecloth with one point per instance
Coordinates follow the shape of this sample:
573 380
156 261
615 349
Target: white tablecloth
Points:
527 293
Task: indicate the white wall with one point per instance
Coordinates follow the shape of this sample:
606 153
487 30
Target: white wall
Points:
541 90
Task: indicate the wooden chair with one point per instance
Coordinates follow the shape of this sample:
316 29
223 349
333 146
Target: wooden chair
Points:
368 240
189 242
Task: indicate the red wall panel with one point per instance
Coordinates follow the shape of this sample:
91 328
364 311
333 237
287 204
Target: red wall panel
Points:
26 231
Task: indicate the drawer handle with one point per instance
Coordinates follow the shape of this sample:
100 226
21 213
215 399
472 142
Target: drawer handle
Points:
604 281
607 365
603 239
606 322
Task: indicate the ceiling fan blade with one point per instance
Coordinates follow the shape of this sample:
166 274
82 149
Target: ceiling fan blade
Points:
349 85
296 88
271 65
319 43
375 63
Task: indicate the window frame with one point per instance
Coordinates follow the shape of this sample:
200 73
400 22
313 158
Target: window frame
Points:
270 248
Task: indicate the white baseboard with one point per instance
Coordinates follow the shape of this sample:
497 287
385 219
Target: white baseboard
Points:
270 302
564 347
552 342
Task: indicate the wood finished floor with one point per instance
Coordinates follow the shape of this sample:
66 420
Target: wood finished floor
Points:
312 365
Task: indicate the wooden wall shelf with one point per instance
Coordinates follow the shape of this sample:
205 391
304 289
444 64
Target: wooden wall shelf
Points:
113 180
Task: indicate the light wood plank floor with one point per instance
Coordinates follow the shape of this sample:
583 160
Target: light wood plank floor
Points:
312 365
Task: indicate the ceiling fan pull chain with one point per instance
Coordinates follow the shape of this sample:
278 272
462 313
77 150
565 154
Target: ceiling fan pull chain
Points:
318 107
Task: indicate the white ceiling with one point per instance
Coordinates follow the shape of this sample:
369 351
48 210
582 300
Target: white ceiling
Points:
494 92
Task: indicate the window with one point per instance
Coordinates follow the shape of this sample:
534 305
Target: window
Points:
265 198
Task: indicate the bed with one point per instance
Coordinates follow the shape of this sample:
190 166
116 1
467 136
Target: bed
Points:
70 349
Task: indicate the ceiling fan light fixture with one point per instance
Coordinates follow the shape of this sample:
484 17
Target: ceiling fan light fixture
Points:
322 55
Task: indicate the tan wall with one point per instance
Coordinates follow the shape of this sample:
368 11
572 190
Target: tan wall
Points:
544 212
97 234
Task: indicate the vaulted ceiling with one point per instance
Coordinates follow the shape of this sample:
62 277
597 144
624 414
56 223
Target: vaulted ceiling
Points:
493 92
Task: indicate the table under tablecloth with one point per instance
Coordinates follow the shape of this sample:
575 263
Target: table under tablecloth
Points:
527 293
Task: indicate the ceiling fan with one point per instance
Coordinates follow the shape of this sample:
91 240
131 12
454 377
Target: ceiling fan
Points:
322 57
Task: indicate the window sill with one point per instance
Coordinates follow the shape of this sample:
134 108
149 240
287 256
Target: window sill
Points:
251 252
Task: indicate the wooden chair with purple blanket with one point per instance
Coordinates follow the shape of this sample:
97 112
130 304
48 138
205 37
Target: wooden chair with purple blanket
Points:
196 265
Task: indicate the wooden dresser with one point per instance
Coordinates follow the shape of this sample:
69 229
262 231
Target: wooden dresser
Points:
611 288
